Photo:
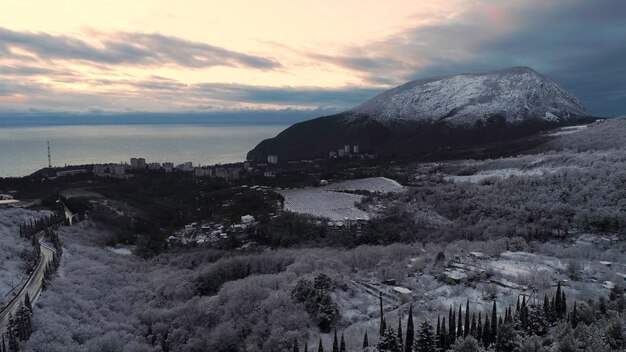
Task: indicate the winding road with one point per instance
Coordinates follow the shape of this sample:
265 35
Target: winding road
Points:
32 285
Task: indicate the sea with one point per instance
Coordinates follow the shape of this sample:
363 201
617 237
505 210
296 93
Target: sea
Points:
23 148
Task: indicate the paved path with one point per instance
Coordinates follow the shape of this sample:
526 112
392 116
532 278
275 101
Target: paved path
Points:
32 286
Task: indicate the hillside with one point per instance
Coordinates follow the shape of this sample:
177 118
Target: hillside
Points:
607 134
427 115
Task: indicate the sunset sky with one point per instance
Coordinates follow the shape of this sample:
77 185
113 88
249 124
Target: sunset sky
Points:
180 56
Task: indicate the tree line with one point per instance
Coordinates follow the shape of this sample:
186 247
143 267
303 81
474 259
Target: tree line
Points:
20 326
466 331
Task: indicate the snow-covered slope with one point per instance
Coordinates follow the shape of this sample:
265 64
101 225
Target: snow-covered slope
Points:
517 94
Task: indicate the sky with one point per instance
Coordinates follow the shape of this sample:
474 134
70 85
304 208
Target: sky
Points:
129 56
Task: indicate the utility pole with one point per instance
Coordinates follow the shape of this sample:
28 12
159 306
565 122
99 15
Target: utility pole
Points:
49 159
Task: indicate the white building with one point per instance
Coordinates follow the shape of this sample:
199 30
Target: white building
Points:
272 159
141 163
346 148
133 163
355 149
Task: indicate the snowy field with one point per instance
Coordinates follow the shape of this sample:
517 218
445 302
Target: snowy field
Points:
329 202
11 245
502 174
372 184
335 206
568 130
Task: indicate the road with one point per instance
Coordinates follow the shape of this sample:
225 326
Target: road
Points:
32 286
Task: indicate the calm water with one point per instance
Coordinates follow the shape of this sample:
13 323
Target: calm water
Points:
23 149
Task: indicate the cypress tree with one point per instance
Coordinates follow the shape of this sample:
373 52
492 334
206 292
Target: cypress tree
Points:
320 348
493 329
410 331
574 317
366 342
342 345
459 326
306 347
486 332
382 315
517 306
473 326
563 304
466 329
296 346
425 339
451 326
14 345
3 347
479 328
546 307
27 302
444 335
437 334
335 343
557 301
400 339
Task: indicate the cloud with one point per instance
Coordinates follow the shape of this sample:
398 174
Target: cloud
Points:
580 44
126 48
308 96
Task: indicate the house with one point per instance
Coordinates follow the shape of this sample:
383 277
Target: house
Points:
247 219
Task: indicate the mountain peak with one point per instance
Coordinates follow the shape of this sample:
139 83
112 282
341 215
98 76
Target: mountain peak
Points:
515 93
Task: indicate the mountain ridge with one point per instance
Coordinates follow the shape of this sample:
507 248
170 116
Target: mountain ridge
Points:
433 113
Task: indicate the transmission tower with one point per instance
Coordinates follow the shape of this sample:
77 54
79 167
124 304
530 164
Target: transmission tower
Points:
49 158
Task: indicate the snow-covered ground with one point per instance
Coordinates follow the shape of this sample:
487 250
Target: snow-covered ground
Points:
568 130
516 93
502 174
371 184
336 206
12 271
329 202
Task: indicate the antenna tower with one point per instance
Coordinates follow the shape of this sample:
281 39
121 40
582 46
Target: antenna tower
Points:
49 159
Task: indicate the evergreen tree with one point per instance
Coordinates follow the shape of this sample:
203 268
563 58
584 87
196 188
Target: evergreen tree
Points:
557 301
342 345
366 341
494 321
574 318
410 331
517 307
335 343
506 339
479 328
459 326
444 341
296 346
425 338
400 339
382 315
437 334
3 347
389 342
467 328
472 329
451 326
306 347
563 304
27 302
320 347
486 332
14 345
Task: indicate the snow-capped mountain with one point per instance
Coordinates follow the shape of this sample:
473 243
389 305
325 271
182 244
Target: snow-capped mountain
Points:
516 94
430 115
